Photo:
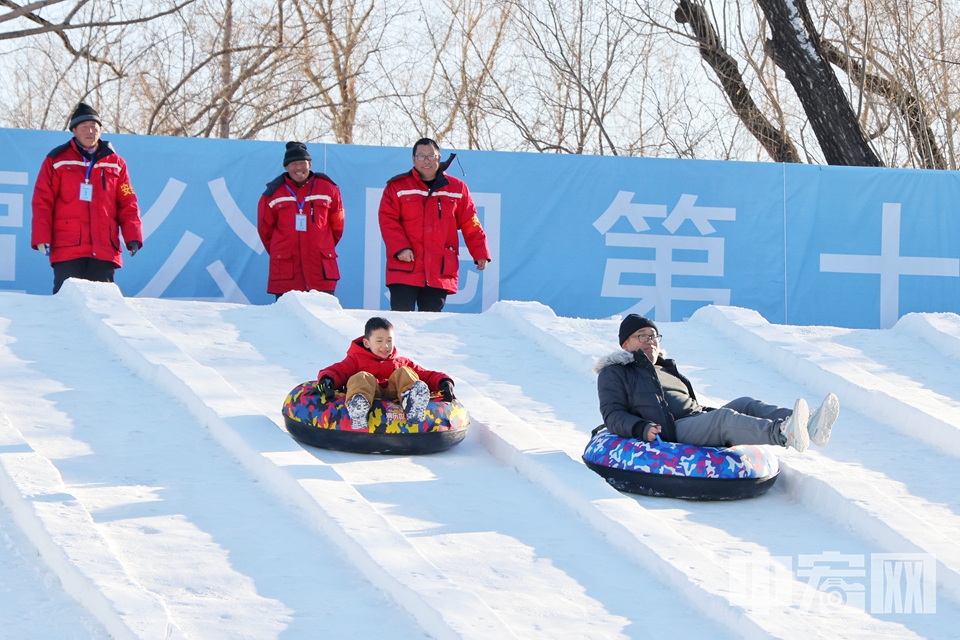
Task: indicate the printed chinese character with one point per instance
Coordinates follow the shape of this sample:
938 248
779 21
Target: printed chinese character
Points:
673 255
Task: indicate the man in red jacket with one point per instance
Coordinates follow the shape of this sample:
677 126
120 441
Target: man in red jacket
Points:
300 220
81 202
420 214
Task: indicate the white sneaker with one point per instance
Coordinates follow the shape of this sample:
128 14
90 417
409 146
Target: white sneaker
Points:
821 421
794 428
415 401
359 409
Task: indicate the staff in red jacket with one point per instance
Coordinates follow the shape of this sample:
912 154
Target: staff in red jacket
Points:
420 213
81 202
300 220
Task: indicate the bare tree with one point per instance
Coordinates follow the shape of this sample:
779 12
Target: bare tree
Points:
226 69
894 56
907 103
340 40
892 98
72 17
844 81
443 88
576 61
796 48
776 141
223 70
186 81
75 50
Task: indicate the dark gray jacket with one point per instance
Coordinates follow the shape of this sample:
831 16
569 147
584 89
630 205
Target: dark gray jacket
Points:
631 397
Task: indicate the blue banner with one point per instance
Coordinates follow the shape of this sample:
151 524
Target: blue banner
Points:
867 246
590 236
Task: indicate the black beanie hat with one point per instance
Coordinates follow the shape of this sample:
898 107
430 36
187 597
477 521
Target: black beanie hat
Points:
633 323
82 113
295 151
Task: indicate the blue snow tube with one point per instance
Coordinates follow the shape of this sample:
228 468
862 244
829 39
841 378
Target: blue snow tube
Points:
677 470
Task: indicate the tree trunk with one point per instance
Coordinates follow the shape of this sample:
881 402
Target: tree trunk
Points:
226 69
796 48
777 143
907 103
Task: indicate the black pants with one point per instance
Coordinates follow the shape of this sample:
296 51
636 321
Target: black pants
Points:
84 269
403 297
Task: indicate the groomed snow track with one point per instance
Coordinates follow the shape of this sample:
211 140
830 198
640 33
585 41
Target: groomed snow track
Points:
150 490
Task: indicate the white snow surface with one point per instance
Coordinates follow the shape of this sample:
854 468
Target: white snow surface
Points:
150 490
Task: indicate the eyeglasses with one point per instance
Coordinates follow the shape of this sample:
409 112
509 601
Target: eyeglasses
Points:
645 339
425 158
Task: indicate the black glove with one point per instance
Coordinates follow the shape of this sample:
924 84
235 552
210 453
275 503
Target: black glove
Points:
326 389
133 246
446 390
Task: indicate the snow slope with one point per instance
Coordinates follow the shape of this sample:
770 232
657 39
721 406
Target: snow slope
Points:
150 491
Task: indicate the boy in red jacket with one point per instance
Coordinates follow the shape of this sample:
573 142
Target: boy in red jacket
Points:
372 369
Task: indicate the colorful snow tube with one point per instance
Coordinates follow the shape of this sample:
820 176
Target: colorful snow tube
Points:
678 470
328 425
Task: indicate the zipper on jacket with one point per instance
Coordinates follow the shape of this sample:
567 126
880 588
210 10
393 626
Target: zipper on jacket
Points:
313 217
103 179
662 396
439 209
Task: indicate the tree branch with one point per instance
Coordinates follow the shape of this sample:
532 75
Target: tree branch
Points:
775 141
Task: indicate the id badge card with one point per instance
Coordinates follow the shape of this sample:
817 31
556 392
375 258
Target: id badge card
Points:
301 222
86 192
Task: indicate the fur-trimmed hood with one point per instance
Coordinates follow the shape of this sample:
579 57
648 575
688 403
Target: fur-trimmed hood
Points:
616 357
619 356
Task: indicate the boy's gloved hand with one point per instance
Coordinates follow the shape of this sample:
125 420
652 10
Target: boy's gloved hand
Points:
325 387
446 390
133 246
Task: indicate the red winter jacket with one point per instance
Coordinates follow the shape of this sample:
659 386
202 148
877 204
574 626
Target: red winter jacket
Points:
73 227
359 358
301 260
426 221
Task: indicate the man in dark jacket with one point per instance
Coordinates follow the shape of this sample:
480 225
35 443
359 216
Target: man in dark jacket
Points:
81 202
643 395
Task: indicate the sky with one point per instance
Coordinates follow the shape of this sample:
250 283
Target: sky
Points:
149 488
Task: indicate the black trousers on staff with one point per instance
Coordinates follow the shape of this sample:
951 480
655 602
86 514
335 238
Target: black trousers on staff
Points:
83 269
403 297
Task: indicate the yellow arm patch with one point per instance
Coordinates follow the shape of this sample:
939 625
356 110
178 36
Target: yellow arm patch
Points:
126 189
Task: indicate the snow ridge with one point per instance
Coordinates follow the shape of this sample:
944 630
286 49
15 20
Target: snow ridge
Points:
646 539
823 372
507 535
863 506
384 557
71 546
